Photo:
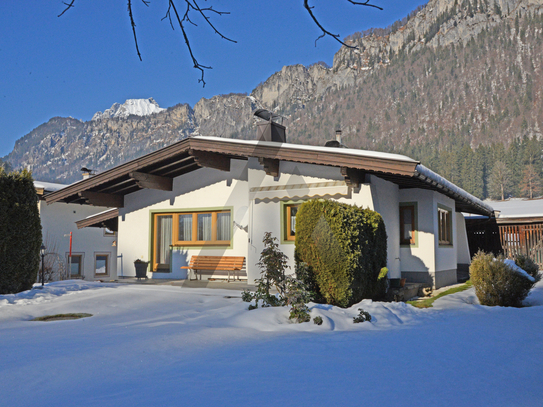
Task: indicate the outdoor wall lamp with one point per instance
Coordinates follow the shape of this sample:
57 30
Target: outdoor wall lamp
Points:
42 252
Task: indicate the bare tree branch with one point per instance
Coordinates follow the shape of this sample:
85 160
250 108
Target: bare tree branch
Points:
364 3
205 12
180 22
68 6
133 24
325 32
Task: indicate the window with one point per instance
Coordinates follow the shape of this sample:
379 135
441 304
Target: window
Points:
290 211
444 218
204 228
408 224
101 264
75 264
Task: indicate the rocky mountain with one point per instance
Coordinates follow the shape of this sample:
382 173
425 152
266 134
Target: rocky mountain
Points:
454 73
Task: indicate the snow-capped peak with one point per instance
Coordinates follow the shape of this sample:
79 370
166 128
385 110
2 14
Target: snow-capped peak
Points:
138 107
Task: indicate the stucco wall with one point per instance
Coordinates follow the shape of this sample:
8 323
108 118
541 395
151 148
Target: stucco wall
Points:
445 255
265 216
202 189
421 256
385 197
427 261
462 248
58 220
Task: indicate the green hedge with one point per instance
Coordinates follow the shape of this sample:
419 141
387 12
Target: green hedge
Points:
496 283
340 251
20 232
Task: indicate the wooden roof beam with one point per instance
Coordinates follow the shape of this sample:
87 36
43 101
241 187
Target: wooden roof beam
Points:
211 160
271 166
150 181
101 199
353 177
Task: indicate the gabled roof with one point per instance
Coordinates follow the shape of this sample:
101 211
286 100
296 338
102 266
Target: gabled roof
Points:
157 170
46 187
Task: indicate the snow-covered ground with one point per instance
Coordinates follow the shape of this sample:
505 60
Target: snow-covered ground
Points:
173 346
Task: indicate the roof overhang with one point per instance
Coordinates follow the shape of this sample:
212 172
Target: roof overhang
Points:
158 169
108 219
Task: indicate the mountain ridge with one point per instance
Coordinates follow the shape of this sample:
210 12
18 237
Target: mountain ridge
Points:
381 93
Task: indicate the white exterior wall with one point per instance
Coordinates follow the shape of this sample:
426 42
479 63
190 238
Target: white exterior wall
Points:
265 216
58 220
385 196
445 255
198 190
421 256
463 255
426 260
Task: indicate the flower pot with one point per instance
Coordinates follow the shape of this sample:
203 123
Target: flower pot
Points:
141 269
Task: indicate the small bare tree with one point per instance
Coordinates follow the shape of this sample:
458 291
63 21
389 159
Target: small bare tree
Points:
531 182
54 268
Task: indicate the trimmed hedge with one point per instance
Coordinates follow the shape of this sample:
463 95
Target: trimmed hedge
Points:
496 283
20 232
340 251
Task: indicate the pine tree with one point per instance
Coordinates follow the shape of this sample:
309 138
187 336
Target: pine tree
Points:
500 182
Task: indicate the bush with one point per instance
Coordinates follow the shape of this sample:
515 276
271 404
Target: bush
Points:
291 291
317 320
340 252
497 283
20 232
362 316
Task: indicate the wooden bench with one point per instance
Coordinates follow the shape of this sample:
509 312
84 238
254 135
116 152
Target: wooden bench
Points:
199 264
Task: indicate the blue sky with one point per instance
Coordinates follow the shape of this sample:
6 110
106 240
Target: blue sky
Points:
85 61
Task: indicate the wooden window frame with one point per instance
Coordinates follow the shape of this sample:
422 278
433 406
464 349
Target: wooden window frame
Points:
288 236
444 226
412 207
82 256
108 256
194 242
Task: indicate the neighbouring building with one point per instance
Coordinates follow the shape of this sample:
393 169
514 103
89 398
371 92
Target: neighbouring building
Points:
94 251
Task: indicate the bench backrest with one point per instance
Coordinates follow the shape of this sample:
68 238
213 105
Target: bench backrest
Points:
217 262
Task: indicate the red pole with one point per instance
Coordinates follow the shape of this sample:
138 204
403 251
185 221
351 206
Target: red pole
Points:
69 273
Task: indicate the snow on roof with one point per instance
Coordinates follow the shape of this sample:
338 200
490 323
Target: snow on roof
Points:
49 186
345 151
100 213
518 208
428 173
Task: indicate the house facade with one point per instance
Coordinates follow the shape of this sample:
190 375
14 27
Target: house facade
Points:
93 250
217 197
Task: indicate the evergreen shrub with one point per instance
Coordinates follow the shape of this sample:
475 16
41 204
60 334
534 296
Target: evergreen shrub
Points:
340 252
290 291
496 283
362 316
20 232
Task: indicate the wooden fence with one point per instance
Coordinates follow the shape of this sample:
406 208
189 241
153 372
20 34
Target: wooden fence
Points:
523 239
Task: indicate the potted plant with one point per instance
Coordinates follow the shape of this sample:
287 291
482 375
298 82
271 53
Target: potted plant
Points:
141 268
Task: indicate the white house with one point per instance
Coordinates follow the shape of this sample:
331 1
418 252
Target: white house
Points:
94 251
215 196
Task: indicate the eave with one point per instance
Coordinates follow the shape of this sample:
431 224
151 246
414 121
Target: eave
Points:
155 169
